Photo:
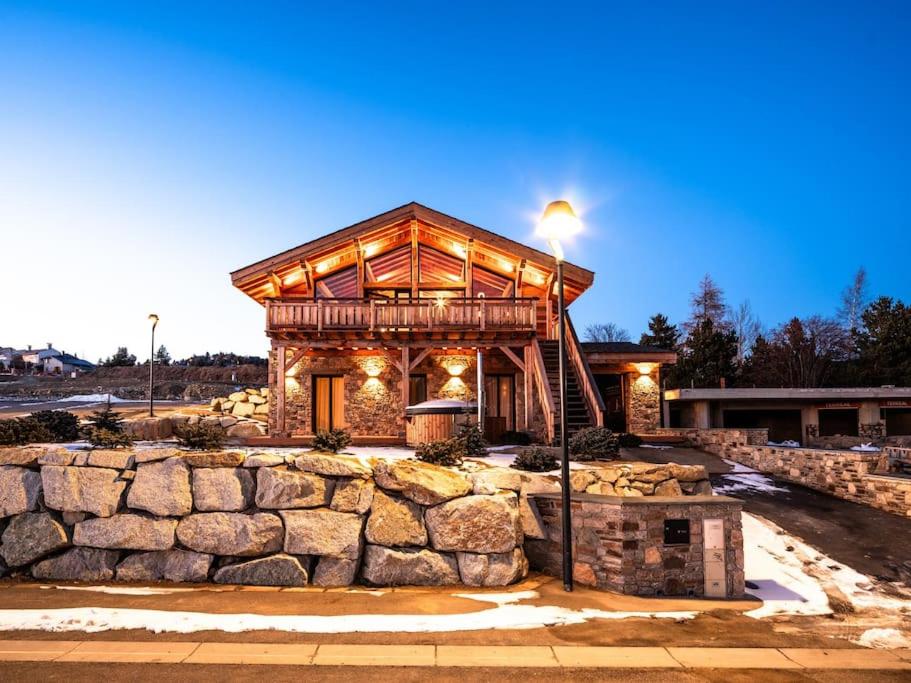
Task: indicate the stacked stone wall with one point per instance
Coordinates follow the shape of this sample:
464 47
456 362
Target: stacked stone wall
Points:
858 476
618 543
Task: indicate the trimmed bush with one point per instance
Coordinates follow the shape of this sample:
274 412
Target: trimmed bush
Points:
516 438
200 437
628 440
535 459
332 441
60 424
472 440
447 452
594 443
105 438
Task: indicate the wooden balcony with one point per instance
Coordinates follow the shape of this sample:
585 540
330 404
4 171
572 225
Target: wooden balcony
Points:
449 319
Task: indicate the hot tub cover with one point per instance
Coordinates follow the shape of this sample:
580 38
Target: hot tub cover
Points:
442 406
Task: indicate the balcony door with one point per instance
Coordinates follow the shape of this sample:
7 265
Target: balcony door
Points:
328 403
500 405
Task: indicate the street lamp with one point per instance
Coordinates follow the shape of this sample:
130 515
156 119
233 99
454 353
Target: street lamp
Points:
154 319
560 222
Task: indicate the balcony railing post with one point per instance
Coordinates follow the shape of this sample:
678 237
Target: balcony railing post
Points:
482 314
319 315
372 313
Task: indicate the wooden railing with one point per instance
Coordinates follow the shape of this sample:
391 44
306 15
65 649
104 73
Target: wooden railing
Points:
593 400
539 373
410 315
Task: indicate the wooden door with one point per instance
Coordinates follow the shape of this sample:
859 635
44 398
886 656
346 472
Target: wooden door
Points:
328 403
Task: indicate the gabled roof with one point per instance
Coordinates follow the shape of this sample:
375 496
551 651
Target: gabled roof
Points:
255 279
621 347
67 359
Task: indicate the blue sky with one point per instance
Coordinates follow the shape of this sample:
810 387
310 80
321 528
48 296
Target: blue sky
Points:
146 150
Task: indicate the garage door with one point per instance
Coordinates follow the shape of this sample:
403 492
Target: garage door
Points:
838 422
783 425
898 421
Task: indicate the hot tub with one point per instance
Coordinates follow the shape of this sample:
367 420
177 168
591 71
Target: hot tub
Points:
437 420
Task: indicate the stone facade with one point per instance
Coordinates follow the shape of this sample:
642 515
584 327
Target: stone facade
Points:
373 388
166 514
618 543
643 403
858 476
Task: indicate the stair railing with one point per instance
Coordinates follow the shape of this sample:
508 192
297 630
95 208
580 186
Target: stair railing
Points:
545 395
593 400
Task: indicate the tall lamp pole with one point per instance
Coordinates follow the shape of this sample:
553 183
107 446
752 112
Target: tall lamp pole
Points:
154 319
560 222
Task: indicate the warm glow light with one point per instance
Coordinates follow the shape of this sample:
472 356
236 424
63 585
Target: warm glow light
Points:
506 265
459 249
293 277
644 368
370 250
384 277
453 277
322 267
153 318
559 222
441 302
373 366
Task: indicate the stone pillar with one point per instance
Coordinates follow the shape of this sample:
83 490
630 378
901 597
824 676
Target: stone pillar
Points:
809 424
643 405
870 426
702 415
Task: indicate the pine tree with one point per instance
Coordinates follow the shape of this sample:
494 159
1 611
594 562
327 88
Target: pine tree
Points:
853 301
707 304
122 358
707 357
162 357
884 343
661 333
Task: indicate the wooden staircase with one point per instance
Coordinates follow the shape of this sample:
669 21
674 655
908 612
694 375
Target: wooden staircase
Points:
577 412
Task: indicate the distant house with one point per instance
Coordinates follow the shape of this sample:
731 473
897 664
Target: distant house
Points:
65 364
35 358
7 354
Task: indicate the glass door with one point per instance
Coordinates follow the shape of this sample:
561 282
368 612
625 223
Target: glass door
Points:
328 403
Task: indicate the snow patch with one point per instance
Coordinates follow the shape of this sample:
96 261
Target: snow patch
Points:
866 448
750 481
787 443
91 398
508 616
655 446
885 638
121 590
499 598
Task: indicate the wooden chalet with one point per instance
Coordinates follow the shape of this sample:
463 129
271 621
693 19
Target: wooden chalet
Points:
392 311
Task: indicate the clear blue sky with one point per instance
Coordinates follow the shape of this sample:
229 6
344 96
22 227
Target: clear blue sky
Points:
148 149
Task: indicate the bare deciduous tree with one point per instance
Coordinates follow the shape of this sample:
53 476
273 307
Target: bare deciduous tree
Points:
606 332
854 299
747 328
707 304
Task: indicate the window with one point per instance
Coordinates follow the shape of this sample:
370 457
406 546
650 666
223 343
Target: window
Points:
417 388
676 532
500 401
328 403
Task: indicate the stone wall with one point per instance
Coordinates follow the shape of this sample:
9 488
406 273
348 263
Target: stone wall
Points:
618 543
165 427
858 476
263 519
643 403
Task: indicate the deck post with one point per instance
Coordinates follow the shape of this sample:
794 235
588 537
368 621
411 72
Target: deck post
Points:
529 390
406 398
280 389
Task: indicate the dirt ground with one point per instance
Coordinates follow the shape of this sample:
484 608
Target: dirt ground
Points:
127 409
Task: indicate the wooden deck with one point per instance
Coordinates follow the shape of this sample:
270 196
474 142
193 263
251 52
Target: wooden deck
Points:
475 317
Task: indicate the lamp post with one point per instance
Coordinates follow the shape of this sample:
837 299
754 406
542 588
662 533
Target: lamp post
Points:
154 319
560 222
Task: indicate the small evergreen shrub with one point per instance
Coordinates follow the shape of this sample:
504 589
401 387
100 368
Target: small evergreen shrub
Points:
106 418
516 438
535 459
200 437
332 441
22 430
105 438
594 443
472 440
628 440
447 452
60 424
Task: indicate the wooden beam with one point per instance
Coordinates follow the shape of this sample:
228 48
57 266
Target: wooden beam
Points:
276 282
421 356
513 357
469 270
529 388
520 275
406 387
326 292
295 359
414 260
360 268
280 389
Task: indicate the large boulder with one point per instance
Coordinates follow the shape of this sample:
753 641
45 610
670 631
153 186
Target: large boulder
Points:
278 488
126 531
231 533
476 524
322 532
238 396
264 460
162 488
493 479
22 456
353 495
244 430
532 524
20 489
222 488
671 487
30 536
244 409
78 564
395 522
214 459
334 571
424 484
56 456
153 454
82 489
387 567
331 464
113 459
499 569
277 570
182 566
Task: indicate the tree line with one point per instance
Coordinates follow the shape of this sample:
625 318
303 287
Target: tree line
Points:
866 343
123 358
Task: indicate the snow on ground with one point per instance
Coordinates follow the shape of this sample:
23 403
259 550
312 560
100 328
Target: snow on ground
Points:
792 576
91 398
657 447
122 590
743 478
787 443
866 448
506 615
886 638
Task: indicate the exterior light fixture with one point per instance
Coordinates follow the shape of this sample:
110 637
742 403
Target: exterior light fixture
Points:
644 368
373 366
322 267
455 369
154 319
559 222
440 302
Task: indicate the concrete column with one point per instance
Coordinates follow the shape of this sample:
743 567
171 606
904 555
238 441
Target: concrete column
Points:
870 425
809 424
702 415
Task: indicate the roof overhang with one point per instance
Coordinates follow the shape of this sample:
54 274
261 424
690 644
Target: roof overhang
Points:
786 394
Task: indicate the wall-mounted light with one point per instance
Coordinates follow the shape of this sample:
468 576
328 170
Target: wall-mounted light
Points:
506 265
455 369
459 250
644 368
440 302
370 250
292 278
373 366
